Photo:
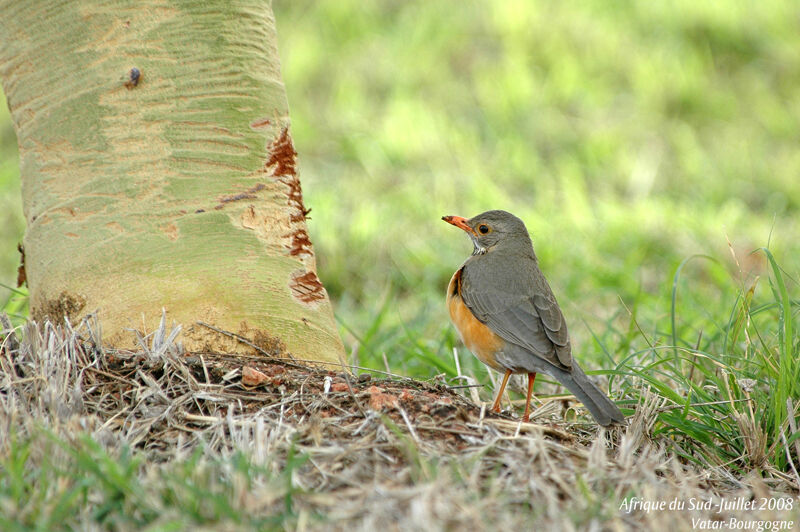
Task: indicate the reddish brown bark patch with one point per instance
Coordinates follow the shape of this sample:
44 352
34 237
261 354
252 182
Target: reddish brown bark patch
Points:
282 165
282 156
306 287
301 244
295 196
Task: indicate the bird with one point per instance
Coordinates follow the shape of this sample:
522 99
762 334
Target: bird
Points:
507 316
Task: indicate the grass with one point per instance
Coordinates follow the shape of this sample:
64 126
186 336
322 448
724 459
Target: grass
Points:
80 482
730 390
651 151
93 438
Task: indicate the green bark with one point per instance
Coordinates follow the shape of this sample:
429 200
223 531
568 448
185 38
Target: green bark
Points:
177 189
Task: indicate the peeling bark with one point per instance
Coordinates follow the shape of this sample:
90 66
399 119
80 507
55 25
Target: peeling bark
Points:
307 287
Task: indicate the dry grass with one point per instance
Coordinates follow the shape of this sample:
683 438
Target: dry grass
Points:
333 449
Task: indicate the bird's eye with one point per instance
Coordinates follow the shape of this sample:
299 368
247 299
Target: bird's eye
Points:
483 228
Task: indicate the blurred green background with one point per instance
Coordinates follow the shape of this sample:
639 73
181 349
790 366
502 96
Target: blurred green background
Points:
627 135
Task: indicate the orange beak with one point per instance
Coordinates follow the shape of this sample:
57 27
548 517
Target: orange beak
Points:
459 222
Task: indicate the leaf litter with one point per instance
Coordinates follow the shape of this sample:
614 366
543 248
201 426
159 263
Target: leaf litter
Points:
388 452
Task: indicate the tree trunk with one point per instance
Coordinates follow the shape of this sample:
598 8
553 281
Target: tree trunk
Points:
158 171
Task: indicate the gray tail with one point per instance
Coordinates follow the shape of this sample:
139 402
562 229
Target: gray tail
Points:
603 409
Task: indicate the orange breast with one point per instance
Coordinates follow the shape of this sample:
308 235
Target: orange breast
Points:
476 336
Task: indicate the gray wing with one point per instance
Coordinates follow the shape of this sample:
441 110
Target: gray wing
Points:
534 322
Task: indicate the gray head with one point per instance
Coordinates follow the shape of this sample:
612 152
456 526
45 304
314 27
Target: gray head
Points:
493 228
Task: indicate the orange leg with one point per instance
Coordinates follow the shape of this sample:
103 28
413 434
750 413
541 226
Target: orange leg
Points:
496 405
526 415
